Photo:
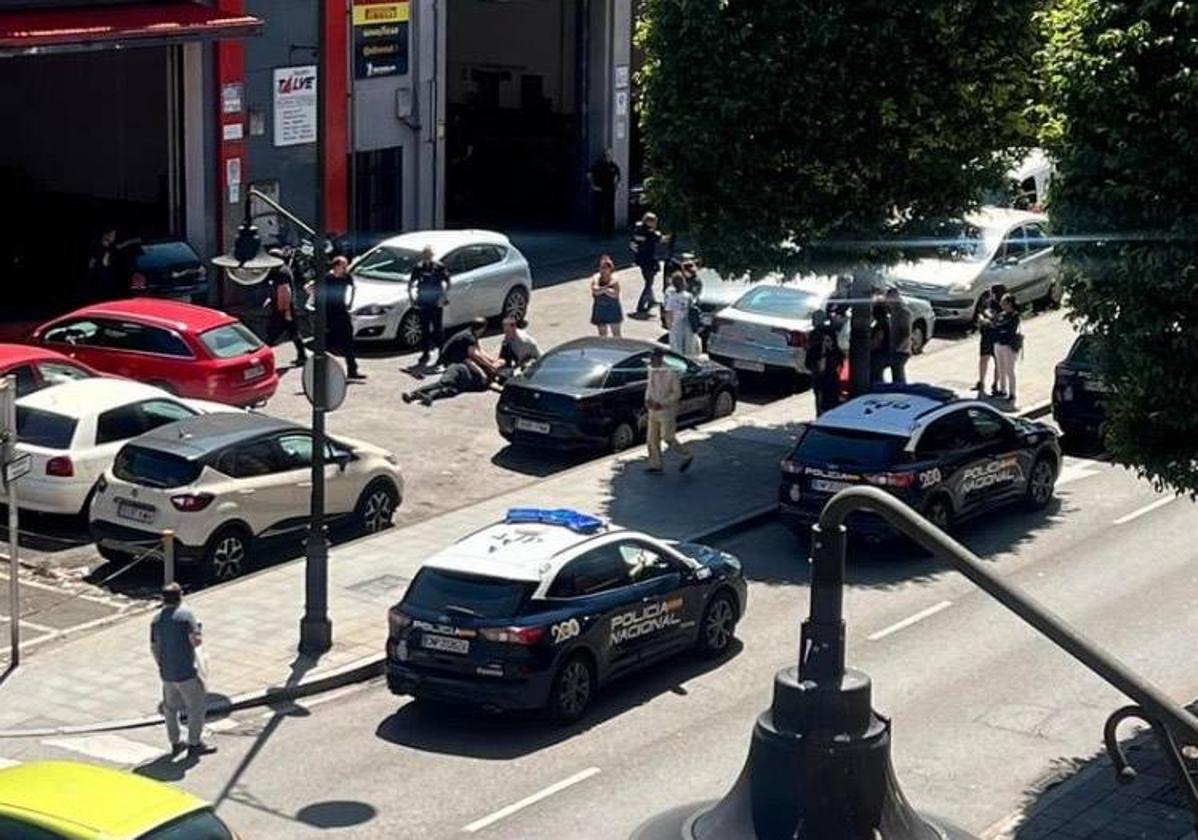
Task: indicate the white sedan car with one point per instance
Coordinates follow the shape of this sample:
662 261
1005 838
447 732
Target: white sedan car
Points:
489 278
768 327
72 432
228 484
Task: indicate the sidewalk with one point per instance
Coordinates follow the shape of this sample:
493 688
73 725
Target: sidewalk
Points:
251 626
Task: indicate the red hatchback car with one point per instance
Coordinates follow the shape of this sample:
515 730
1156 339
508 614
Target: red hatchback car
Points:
191 351
39 367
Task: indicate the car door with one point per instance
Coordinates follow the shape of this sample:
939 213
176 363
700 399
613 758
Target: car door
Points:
1039 263
79 339
593 588
625 389
152 354
463 303
295 449
56 372
1007 266
696 393
264 489
948 454
491 278
1010 460
656 623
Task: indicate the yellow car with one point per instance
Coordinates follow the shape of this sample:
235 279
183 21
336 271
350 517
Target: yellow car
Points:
69 800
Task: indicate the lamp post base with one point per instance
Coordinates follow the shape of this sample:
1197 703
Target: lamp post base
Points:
680 824
316 629
316 635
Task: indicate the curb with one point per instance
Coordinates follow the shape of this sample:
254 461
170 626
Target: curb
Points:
369 667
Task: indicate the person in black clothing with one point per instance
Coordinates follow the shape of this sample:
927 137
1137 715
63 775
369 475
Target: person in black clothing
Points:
987 314
338 293
824 358
604 177
428 289
879 342
645 237
467 367
1008 341
283 315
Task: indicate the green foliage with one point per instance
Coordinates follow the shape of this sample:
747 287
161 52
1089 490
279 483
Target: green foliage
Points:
811 121
1122 123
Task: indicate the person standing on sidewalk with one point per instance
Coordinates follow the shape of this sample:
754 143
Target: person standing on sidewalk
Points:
174 638
607 311
1008 341
679 304
899 336
879 341
338 292
662 395
645 237
987 313
283 313
428 290
604 178
823 361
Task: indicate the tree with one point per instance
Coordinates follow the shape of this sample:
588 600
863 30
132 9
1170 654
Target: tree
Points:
772 126
1122 106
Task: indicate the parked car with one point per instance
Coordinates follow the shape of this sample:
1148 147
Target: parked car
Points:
188 350
1078 393
38 367
590 392
168 268
72 432
767 328
226 484
71 800
489 278
995 245
542 609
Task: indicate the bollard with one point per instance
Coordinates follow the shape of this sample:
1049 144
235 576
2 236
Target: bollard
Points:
168 557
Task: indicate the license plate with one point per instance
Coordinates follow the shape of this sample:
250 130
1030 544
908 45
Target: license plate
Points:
445 644
136 512
253 372
822 485
532 426
746 364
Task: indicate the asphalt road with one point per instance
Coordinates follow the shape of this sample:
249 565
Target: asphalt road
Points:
982 706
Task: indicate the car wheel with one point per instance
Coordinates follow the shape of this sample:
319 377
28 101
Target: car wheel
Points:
376 507
227 555
572 690
939 512
919 337
622 437
515 305
718 626
723 404
1040 483
409 333
1054 294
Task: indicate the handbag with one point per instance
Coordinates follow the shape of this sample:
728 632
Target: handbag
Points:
201 663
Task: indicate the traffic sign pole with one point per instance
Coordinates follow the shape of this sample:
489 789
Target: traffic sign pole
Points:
8 426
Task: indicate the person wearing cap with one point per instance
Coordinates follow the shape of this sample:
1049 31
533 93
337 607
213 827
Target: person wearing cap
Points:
663 393
899 335
428 290
174 638
283 318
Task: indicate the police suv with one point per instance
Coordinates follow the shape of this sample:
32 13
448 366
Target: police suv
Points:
539 610
948 458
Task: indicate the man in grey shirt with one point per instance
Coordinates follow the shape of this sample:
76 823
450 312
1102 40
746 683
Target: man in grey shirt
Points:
900 336
174 637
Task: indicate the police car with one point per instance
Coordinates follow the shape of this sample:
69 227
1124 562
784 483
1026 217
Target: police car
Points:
539 610
948 458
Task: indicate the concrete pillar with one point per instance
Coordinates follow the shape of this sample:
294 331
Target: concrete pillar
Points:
620 107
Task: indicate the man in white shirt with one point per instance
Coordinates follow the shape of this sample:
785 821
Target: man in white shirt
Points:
662 395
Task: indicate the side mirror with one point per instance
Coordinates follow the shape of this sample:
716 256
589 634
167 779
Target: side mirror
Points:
342 459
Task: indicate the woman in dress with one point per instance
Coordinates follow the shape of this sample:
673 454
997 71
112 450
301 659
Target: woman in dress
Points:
678 307
606 310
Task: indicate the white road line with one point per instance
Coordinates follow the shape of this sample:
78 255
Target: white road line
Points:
114 749
1136 514
907 622
1075 469
41 628
502 813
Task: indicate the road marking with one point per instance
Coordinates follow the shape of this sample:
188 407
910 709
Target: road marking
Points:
502 813
907 622
114 749
1075 469
41 628
1136 514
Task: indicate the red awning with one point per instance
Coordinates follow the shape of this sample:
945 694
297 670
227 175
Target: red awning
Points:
32 31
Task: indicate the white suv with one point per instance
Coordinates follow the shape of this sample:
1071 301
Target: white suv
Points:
224 484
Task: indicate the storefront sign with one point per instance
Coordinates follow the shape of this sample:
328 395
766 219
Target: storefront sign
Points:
380 38
230 98
295 105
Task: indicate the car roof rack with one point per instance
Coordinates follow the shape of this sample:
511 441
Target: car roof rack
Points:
579 523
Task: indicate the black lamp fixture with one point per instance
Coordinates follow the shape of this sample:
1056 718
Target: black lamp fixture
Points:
248 264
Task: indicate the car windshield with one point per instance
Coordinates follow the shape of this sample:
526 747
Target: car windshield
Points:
152 468
386 262
848 448
473 595
198 825
585 368
1082 352
781 302
229 341
44 428
960 242
157 255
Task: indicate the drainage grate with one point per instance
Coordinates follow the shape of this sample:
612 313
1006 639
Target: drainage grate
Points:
378 586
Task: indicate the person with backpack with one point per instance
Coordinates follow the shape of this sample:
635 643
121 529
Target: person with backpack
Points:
683 316
1008 342
283 315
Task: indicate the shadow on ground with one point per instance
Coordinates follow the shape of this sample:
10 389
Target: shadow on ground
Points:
464 731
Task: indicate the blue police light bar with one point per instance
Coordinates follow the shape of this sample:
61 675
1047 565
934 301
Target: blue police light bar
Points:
580 523
916 389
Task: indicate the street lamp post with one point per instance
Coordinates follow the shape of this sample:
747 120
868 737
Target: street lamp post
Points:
819 762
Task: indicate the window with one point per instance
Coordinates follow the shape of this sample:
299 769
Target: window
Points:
599 570
249 460
296 451
780 302
11 829
847 448
489 255
229 341
1014 246
73 332
26 384
387 263
458 262
198 825
55 373
475 595
631 371
642 562
988 426
152 468
948 434
164 343
1037 241
119 424
676 363
572 368
44 428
